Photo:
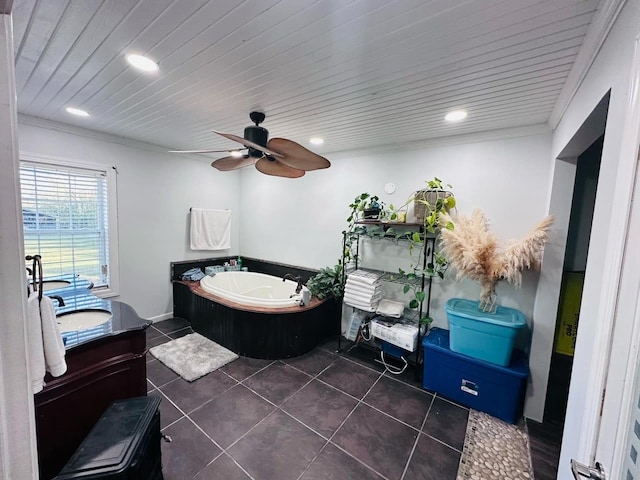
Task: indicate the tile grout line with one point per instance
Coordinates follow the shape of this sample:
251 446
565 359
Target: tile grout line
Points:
278 408
342 424
415 443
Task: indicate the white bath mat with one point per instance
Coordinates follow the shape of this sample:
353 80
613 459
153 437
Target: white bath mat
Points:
192 356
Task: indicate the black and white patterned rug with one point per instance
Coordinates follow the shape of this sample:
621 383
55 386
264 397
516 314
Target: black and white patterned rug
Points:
192 356
494 449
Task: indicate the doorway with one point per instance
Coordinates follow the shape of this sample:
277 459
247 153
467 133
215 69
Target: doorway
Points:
572 202
574 266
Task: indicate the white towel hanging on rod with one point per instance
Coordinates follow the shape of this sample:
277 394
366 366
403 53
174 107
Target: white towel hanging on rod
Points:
210 229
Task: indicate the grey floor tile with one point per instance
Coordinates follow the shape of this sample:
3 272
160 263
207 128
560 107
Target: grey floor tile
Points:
168 412
277 382
171 324
188 453
159 340
334 464
222 468
447 422
244 367
381 442
313 362
152 332
278 448
400 401
432 460
320 406
159 374
191 395
180 333
231 415
349 377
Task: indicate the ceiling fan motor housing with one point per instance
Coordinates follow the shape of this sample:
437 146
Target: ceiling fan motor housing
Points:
256 134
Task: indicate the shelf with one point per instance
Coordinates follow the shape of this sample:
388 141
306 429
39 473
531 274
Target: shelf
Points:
422 282
385 227
387 224
390 277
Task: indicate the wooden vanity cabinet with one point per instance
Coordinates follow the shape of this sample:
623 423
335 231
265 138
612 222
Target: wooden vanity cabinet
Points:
99 372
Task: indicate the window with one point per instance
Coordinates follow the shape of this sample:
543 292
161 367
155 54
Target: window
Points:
69 218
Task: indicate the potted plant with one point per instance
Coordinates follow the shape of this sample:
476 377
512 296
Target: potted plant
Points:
364 206
429 203
327 283
474 251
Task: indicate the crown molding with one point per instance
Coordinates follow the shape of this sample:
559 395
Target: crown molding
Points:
95 135
604 18
476 137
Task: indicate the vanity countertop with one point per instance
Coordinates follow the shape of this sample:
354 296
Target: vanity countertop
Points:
78 296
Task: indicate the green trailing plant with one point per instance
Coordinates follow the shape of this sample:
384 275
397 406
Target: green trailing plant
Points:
440 202
437 202
362 202
327 283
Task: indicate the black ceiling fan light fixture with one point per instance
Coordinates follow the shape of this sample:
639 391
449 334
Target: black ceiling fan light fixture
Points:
277 157
256 133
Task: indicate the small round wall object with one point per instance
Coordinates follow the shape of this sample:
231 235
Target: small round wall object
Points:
390 188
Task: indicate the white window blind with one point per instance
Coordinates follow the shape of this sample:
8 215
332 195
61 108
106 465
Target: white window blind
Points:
66 220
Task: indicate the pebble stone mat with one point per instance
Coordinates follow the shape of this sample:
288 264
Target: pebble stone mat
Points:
494 449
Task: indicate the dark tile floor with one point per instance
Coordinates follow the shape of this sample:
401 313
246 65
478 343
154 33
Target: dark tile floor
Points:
319 416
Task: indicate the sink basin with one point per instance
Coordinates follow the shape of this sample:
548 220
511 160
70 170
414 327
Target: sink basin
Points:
82 319
54 284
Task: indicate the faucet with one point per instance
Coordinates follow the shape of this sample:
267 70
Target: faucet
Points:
291 276
58 298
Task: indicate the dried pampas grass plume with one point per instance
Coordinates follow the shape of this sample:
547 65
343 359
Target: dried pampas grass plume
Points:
474 251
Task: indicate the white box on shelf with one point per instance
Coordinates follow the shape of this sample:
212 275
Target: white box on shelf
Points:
398 334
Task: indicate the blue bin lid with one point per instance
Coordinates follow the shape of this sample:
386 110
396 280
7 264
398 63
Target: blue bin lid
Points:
504 316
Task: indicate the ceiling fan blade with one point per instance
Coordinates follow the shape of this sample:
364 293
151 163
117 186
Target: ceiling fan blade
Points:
199 151
276 168
248 143
296 156
232 163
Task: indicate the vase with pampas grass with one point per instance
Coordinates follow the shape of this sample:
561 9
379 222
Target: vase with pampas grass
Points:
476 253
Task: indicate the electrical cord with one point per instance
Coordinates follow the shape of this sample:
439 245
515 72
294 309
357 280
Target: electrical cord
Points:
391 369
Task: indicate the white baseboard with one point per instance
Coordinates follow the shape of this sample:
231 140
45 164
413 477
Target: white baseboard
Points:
159 318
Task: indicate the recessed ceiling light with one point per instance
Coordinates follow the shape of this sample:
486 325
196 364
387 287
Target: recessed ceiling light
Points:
77 111
235 153
143 63
455 116
316 141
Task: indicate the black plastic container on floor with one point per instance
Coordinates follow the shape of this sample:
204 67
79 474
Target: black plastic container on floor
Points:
124 444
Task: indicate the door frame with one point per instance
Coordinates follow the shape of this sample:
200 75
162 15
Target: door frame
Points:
599 433
624 345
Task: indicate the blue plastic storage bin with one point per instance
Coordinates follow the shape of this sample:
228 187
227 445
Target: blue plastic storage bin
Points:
474 383
488 336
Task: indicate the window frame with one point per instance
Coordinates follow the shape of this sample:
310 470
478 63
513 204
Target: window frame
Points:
113 289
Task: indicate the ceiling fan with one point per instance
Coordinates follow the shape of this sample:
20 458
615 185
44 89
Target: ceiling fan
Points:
277 157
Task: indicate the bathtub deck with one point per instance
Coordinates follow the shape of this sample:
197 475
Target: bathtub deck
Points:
198 290
257 332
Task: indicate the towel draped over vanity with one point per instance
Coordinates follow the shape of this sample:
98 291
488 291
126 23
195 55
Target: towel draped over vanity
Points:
45 347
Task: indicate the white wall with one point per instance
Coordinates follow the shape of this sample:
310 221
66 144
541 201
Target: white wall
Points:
610 70
507 178
18 455
155 191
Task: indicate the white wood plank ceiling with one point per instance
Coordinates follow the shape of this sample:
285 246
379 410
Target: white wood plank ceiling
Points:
360 73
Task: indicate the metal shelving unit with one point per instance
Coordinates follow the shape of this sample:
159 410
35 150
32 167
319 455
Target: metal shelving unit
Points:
425 281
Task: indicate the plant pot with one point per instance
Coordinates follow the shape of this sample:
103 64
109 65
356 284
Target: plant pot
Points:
431 197
371 213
